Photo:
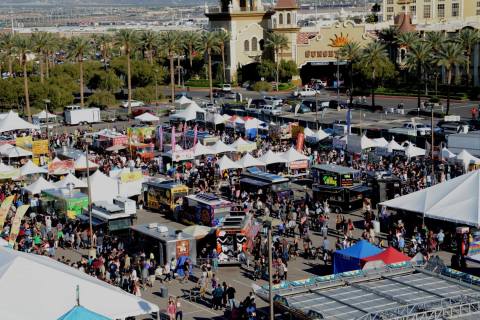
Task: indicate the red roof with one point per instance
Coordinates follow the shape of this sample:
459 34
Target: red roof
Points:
403 21
286 4
304 37
388 256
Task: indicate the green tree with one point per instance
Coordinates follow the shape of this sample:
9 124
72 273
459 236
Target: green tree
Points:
223 39
288 69
169 45
146 94
266 69
104 45
7 45
149 40
210 46
388 37
23 45
105 80
407 39
351 52
102 99
59 97
277 42
192 43
418 56
468 39
128 40
79 47
40 42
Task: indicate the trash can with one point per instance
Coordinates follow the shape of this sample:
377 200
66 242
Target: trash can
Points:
163 292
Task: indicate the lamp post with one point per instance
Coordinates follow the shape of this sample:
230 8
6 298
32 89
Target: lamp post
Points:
270 276
47 101
316 109
91 252
432 138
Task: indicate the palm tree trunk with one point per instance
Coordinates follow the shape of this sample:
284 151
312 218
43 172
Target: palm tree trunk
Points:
42 76
47 67
25 87
468 69
172 78
179 75
419 85
210 76
150 56
223 64
129 82
449 83
373 89
80 63
190 55
278 68
10 67
351 84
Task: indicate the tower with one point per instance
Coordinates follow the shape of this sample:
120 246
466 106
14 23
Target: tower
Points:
284 21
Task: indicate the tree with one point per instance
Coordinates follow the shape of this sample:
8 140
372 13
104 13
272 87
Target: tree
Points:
105 80
22 45
210 46
375 64
223 38
146 94
40 42
266 69
435 39
102 99
277 42
169 44
351 52
388 37
468 39
7 45
104 44
418 56
78 47
191 40
148 40
288 69
407 39
449 56
128 40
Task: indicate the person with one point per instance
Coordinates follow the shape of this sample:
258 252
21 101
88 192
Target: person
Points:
171 309
178 309
231 297
440 239
167 273
224 295
217 295
173 267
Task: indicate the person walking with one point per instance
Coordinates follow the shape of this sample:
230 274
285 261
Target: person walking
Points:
171 309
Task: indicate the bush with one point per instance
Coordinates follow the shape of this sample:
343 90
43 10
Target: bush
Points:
201 83
286 86
102 99
262 86
146 94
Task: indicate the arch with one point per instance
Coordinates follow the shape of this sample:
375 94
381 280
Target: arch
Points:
280 18
289 18
254 44
246 45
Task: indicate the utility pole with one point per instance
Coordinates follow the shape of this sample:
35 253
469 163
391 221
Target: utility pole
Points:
91 251
432 136
338 78
270 275
316 109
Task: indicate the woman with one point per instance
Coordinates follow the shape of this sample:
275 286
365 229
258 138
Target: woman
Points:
178 309
171 309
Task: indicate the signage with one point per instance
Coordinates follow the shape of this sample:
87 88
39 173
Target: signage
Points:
346 180
320 54
4 208
200 116
61 167
24 142
329 180
131 176
183 248
339 41
302 164
17 220
142 134
182 155
40 147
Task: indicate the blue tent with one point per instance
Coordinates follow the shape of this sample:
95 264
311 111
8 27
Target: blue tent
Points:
81 313
349 259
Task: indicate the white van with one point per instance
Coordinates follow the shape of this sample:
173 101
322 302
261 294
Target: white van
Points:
271 110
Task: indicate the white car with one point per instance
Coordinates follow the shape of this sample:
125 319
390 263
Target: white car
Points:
306 92
271 110
227 87
133 103
273 100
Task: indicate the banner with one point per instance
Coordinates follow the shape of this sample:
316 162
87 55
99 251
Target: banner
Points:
4 209
301 164
17 220
131 176
300 141
141 134
60 167
160 138
40 147
195 134
173 139
24 142
182 155
10 174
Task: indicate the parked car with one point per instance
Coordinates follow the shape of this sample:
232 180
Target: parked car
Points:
306 92
226 87
301 109
274 101
452 127
271 110
133 103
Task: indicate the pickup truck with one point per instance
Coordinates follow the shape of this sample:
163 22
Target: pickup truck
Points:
412 129
306 92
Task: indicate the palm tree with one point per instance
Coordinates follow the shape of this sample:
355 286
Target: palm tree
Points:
78 47
181 45
418 56
388 36
435 39
191 40
7 45
104 43
350 52
449 56
148 40
169 44
128 40
40 42
223 38
22 45
374 59
277 42
468 39
407 39
52 43
210 46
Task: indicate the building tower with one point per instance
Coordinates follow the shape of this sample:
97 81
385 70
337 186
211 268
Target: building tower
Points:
284 21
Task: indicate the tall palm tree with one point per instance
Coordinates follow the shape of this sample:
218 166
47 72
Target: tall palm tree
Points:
210 46
350 52
128 41
78 48
181 45
191 40
435 39
7 45
449 56
169 45
51 45
374 59
418 56
148 40
388 36
104 42
223 38
40 43
468 39
407 39
277 42
22 45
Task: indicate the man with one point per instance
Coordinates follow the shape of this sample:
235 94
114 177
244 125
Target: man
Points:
217 297
231 297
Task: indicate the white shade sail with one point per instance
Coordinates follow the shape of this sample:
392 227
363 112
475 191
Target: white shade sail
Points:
226 163
271 157
13 122
31 168
249 161
414 151
39 185
16 152
394 145
70 179
147 117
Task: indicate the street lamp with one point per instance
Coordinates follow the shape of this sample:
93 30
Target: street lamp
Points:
91 252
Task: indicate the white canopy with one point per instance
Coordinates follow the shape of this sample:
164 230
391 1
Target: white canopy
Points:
380 142
308 132
200 150
39 185
44 114
394 145
233 121
81 163
215 118
241 145
357 144
31 168
226 163
249 161
466 158
147 117
70 179
455 200
293 155
447 154
5 168
189 114
253 123
103 188
13 122
183 100
271 157
15 152
56 285
413 151
221 147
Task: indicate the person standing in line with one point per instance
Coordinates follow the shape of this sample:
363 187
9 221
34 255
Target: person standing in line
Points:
178 309
171 309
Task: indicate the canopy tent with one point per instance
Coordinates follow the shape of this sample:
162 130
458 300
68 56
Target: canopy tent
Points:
308 132
350 258
447 154
59 283
271 157
467 159
357 144
44 115
81 164
39 185
456 200
253 123
31 168
316 136
81 313
234 121
215 118
189 114
183 100
249 161
8 172
388 256
147 117
226 163
70 179
380 142
102 187
13 122
414 151
241 145
15 152
293 155
394 146
200 150
197 232
221 147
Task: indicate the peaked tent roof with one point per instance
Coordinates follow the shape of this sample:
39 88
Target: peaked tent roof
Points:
388 256
249 161
39 185
43 115
16 152
200 150
456 200
13 122
413 151
241 145
188 114
70 179
293 155
271 157
183 100
147 117
360 250
308 132
394 145
81 163
221 147
466 158
103 188
82 313
380 142
31 168
226 163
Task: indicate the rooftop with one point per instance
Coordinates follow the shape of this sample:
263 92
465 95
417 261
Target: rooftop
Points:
336 169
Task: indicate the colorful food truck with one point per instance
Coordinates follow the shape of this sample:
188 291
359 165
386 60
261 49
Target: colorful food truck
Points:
205 209
107 138
143 150
64 202
163 195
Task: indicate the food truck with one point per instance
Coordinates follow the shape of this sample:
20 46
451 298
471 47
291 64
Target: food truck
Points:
203 137
205 209
254 179
108 138
339 185
64 202
163 195
143 150
109 217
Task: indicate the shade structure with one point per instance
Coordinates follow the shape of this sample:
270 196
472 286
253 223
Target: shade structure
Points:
241 145
357 144
8 172
200 150
394 146
380 142
183 100
189 114
147 117
20 270
293 155
253 123
249 161
388 256
44 115
82 313
81 163
70 179
221 147
414 151
225 163
196 231
308 132
215 118
447 154
31 168
39 185
116 148
271 157
456 200
467 159
315 136
350 258
16 152
13 122
103 188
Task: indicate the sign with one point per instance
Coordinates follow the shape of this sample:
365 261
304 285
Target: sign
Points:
142 134
183 248
131 176
4 208
346 180
329 180
17 220
59 167
182 155
339 41
302 164
40 147
24 142
200 116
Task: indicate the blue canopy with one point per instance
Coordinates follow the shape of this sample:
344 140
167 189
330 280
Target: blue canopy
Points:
349 259
80 313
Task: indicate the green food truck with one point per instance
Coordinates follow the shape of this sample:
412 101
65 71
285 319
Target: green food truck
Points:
64 202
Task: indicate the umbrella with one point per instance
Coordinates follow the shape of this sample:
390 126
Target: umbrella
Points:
82 313
198 232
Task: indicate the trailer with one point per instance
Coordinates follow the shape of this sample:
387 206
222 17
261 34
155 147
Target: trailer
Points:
74 115
468 141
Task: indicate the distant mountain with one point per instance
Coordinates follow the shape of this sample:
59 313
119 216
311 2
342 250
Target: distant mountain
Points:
102 2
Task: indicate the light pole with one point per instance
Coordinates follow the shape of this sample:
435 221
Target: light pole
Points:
47 101
432 137
270 276
338 77
91 252
316 109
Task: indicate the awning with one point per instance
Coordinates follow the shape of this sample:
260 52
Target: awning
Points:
254 182
361 188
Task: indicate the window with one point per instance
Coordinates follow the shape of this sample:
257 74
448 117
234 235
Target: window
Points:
280 18
478 8
441 10
289 18
254 44
413 10
389 1
455 9
389 17
246 46
390 9
427 14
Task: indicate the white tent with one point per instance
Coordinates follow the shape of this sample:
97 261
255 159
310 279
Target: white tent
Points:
221 147
226 163
249 161
414 151
5 147
315 136
253 123
215 118
271 157
5 168
56 285
200 150
447 154
16 152
308 132
456 200
320 135
102 187
8 172
241 145
467 159
189 114
183 100
357 144
147 117
70 179
380 142
13 122
81 164
39 185
31 168
293 155
44 115
393 145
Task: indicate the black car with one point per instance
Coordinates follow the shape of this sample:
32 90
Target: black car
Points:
302 109
259 103
334 104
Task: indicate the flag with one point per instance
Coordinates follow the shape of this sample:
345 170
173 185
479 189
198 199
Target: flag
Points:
349 118
160 138
4 208
195 133
173 140
185 136
17 220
